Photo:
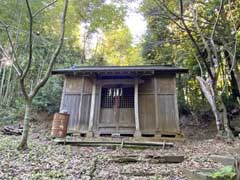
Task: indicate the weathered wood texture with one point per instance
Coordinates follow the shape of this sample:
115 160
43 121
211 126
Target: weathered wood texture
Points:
167 110
157 106
123 124
148 158
114 143
147 113
147 106
112 120
77 101
10 130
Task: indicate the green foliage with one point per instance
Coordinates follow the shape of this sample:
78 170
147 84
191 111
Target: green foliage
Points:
96 15
106 17
225 173
9 115
117 48
167 42
49 97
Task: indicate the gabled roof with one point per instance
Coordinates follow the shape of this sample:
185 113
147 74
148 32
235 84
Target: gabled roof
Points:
120 69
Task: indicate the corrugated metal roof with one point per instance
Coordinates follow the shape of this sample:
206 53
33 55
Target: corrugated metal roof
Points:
112 69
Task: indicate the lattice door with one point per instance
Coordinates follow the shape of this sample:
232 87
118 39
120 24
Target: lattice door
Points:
117 97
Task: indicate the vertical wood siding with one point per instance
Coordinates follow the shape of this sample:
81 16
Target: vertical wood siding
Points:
126 117
77 100
167 112
147 106
147 113
158 111
157 105
71 104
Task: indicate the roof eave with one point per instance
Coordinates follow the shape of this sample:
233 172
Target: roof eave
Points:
77 71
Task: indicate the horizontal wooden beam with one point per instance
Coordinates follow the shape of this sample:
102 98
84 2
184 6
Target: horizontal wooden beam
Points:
125 144
114 125
148 158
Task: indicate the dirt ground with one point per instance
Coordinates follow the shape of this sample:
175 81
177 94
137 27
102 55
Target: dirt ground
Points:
46 160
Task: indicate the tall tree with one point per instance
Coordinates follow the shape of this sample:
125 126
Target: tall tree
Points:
212 29
24 72
117 48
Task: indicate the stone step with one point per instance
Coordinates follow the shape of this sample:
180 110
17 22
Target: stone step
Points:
202 174
224 160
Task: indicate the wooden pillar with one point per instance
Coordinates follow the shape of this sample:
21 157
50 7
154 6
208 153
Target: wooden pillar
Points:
92 108
80 104
63 95
136 113
156 104
98 110
176 106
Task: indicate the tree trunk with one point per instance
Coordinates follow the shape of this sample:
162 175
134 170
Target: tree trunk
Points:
218 108
2 83
236 72
235 76
23 144
209 94
5 99
226 124
237 167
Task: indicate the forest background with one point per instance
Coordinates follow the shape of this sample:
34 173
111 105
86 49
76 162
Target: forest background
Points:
201 35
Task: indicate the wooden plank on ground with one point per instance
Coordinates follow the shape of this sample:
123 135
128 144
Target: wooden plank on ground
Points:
125 144
150 159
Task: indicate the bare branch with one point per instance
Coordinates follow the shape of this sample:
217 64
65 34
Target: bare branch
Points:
194 41
214 30
234 64
200 66
187 29
15 66
209 94
30 43
182 20
14 59
43 8
217 20
55 54
161 3
22 79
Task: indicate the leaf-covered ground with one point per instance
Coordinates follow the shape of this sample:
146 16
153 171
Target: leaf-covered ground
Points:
46 160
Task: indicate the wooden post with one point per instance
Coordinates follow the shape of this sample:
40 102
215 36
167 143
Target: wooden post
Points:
63 94
176 105
98 109
80 104
92 108
156 103
136 114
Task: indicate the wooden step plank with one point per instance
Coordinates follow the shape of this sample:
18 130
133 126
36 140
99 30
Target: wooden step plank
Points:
148 158
130 144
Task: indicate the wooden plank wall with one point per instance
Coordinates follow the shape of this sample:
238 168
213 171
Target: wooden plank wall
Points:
147 106
76 99
167 111
158 111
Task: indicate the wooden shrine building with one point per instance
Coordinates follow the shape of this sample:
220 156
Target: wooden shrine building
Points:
123 100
